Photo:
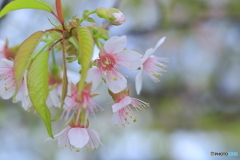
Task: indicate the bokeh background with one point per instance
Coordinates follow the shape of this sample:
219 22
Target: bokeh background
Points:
195 109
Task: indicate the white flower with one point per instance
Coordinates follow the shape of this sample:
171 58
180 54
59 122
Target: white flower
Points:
78 137
152 65
111 57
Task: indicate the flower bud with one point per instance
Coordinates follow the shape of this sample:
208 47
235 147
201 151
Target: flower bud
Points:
113 15
119 18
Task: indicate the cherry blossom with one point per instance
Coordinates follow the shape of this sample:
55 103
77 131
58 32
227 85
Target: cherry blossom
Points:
74 105
152 65
112 56
8 84
7 81
122 109
78 137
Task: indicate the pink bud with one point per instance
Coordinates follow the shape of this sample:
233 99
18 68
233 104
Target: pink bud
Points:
120 18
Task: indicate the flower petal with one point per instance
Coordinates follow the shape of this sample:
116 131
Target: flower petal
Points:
6 63
129 59
78 137
116 81
150 51
94 76
159 43
115 44
94 140
123 103
138 81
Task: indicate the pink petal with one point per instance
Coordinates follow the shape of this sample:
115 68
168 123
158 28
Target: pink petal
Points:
6 63
73 77
115 44
94 76
59 136
138 82
150 51
78 137
147 54
123 103
129 59
159 43
116 81
7 94
94 140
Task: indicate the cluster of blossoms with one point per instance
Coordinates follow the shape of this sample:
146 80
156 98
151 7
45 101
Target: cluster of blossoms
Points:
75 99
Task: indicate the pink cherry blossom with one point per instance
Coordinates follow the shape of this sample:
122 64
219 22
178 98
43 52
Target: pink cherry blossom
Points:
120 18
7 81
22 95
78 137
54 97
122 109
151 65
8 84
74 105
113 56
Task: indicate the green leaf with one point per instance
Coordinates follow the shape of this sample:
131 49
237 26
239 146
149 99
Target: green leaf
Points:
23 56
37 82
25 4
86 44
89 19
85 14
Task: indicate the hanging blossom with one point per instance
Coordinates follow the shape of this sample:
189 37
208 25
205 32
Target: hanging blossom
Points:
122 108
54 94
8 87
112 56
74 105
55 85
151 65
8 84
7 81
78 137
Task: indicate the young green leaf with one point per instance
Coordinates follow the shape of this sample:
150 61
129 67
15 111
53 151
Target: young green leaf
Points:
89 19
25 4
23 56
37 82
86 44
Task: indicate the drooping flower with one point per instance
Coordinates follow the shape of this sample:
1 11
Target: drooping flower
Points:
151 65
122 108
112 56
8 84
22 95
7 81
78 137
75 105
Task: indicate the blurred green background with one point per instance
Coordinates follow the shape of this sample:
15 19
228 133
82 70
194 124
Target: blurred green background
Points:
195 109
